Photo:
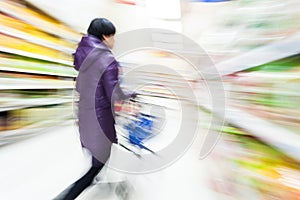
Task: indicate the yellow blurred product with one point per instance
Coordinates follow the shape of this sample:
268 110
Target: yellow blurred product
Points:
48 115
19 25
18 44
38 20
15 120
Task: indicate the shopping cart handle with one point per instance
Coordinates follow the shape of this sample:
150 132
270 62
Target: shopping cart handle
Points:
133 100
134 96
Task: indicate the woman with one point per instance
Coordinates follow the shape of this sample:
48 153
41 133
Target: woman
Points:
97 84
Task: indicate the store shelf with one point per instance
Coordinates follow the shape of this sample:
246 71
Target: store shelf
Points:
25 103
33 55
34 48
10 136
275 51
44 23
275 135
14 84
260 90
32 71
36 40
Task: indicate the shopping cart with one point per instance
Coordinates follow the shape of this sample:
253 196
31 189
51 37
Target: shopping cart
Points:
138 127
140 130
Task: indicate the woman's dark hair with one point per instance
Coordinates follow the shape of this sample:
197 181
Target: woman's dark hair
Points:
100 27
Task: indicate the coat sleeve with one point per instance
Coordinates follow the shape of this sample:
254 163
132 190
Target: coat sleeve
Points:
111 83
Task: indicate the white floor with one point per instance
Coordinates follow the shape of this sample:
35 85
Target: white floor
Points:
40 167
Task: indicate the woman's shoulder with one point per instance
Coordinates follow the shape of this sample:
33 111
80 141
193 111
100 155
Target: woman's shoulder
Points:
104 57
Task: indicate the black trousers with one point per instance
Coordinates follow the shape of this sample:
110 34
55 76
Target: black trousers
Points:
73 191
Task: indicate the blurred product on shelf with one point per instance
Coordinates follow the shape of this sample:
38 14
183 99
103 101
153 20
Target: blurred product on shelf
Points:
12 43
29 32
24 117
28 13
25 81
243 25
17 28
16 63
269 91
18 124
253 169
259 160
16 99
36 73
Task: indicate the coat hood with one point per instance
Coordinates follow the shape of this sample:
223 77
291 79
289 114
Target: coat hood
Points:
85 46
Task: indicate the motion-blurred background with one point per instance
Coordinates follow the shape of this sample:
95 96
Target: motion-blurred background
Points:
254 44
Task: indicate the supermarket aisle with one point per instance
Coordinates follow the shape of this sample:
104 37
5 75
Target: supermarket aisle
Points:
185 179
40 167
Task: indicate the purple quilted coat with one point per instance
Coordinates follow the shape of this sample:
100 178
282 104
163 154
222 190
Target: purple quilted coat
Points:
98 86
